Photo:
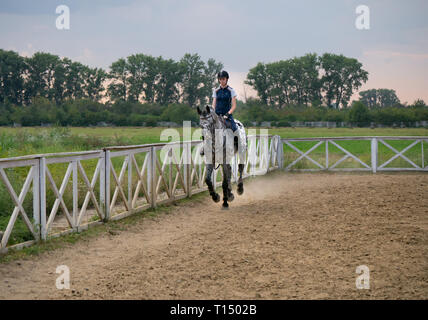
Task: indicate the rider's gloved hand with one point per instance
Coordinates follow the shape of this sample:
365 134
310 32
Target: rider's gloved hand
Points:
226 116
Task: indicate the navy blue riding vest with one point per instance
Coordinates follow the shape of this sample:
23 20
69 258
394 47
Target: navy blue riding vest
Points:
224 102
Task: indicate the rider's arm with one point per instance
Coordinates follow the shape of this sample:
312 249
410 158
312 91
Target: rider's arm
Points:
233 105
214 96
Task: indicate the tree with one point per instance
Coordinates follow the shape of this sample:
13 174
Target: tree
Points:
167 87
257 77
93 83
143 72
341 77
304 78
12 71
369 98
119 87
379 98
387 98
419 103
298 80
73 83
193 79
41 79
211 70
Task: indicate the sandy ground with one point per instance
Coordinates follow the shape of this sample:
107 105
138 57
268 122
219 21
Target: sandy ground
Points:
290 236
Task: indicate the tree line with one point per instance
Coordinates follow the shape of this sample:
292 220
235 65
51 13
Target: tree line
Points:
314 80
357 114
144 90
137 78
84 112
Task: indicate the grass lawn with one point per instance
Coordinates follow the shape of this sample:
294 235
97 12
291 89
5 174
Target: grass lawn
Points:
33 140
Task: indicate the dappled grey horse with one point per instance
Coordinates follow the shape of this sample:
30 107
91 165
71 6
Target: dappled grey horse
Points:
220 145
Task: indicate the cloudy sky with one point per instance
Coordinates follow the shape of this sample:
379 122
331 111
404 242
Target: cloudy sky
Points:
238 33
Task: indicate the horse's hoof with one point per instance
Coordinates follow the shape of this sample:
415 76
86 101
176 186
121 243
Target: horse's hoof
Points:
225 206
230 197
216 197
240 188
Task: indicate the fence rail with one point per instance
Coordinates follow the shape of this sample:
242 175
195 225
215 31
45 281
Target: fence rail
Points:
74 190
373 161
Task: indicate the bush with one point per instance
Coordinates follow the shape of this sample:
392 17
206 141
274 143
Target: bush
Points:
81 112
150 121
283 124
178 113
359 114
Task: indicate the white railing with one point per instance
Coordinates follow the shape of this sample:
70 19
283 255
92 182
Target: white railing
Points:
124 180
373 161
144 181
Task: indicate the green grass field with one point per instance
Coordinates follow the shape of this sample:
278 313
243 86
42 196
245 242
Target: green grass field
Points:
34 140
26 141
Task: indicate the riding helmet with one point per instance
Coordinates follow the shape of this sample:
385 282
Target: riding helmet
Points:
223 74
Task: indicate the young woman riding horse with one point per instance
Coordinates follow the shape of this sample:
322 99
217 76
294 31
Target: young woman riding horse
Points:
221 121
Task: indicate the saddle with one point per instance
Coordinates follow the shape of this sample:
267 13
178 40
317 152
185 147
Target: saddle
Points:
228 123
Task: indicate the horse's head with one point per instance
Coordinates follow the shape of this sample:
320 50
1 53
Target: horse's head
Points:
207 119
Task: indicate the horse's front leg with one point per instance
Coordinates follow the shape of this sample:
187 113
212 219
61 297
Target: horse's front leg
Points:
227 190
214 195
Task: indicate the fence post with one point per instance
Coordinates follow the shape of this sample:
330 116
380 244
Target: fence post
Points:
103 183
374 154
42 199
130 181
253 154
170 183
36 198
151 177
326 154
107 184
266 153
75 193
188 167
280 153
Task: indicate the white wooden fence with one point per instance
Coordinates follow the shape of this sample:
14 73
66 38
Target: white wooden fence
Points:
113 194
374 160
146 180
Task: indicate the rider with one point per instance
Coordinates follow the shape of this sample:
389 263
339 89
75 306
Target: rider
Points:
224 103
224 99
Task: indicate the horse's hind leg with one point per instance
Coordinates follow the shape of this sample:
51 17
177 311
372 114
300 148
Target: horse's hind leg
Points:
214 195
230 195
240 181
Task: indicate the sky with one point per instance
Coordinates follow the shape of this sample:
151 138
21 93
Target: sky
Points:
394 50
